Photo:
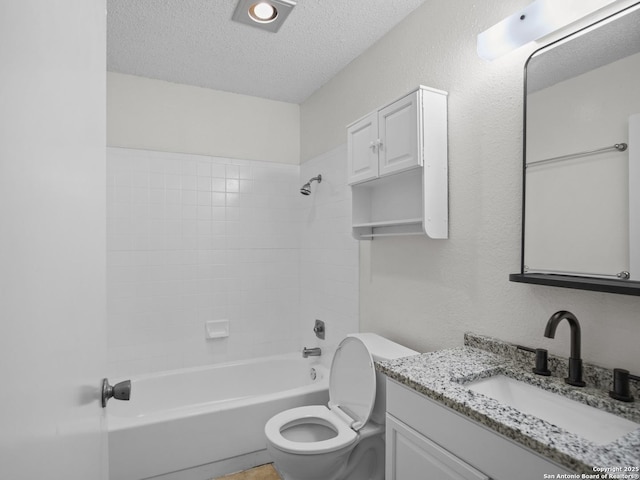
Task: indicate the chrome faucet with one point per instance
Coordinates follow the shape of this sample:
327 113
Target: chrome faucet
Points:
311 352
575 362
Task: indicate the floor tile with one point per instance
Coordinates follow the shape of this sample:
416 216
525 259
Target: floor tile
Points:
263 472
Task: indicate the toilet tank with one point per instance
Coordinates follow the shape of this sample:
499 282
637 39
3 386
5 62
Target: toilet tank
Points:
382 349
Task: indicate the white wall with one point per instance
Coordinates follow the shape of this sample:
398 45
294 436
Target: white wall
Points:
156 115
192 238
427 293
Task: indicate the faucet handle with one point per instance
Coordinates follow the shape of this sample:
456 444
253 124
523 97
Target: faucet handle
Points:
541 367
319 329
621 390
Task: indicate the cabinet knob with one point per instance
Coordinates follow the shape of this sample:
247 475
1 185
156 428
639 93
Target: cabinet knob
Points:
379 143
372 146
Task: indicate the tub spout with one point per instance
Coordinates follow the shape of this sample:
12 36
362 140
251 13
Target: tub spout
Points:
311 352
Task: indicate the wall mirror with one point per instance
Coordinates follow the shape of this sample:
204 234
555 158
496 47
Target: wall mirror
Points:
581 206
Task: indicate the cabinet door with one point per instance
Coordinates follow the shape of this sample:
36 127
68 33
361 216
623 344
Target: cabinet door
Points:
411 456
362 149
398 126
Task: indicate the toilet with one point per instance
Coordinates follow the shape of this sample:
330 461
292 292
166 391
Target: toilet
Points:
343 440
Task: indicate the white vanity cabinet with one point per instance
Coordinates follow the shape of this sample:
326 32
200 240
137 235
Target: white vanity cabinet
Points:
414 454
427 440
397 161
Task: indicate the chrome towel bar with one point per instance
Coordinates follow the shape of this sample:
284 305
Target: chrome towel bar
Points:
623 275
620 147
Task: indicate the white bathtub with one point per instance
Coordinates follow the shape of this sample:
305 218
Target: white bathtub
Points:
204 418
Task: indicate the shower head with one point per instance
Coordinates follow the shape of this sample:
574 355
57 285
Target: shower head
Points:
306 188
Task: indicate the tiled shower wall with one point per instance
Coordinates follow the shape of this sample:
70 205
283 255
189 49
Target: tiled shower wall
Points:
328 252
193 238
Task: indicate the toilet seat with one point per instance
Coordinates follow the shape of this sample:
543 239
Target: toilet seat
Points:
352 392
352 381
311 414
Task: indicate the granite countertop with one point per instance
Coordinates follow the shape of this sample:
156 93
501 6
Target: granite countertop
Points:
441 375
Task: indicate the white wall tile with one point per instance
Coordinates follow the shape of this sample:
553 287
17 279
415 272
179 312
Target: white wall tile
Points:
193 238
328 253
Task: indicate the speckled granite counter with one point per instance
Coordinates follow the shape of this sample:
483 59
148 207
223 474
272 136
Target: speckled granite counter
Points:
442 375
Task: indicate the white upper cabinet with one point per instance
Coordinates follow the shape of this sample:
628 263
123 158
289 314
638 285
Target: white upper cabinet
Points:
398 143
362 149
397 160
385 141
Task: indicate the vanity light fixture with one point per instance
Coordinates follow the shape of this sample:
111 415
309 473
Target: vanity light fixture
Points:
267 15
538 19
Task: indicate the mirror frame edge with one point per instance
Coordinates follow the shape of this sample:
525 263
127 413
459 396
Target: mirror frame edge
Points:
619 286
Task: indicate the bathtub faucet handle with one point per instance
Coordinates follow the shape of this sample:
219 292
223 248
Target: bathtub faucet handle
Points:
318 329
119 391
311 352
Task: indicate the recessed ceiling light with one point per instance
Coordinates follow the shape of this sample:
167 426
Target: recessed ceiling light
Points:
267 15
263 12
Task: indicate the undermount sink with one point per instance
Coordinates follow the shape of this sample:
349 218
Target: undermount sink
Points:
590 423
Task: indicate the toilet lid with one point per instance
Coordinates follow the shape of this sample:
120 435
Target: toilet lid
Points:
352 381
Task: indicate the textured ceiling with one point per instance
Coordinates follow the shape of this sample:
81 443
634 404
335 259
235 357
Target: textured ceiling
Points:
194 42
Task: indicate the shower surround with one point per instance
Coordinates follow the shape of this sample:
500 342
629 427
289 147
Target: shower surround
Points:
193 238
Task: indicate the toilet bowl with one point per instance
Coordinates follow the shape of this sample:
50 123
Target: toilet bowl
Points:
309 442
344 439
